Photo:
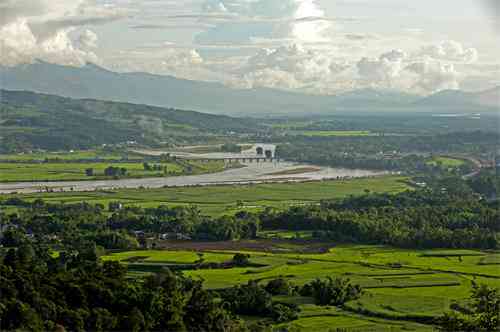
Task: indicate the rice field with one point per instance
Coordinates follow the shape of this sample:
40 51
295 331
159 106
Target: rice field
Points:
75 171
228 199
404 289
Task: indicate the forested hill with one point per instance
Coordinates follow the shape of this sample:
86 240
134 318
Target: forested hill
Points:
31 120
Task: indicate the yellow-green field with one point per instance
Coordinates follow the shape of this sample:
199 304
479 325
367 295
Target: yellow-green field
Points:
446 162
227 199
402 287
68 156
66 171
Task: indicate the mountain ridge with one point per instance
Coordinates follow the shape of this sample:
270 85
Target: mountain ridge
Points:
30 120
95 82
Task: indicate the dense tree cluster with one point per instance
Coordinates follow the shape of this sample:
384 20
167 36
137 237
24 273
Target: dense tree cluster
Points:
115 171
487 183
413 219
321 149
73 291
332 291
482 314
116 227
253 300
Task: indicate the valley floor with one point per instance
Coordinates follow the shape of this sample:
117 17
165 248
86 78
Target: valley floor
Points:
405 290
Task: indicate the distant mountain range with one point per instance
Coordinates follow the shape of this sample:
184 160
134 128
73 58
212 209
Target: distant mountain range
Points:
91 81
457 98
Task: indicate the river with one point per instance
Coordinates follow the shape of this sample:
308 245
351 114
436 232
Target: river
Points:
252 173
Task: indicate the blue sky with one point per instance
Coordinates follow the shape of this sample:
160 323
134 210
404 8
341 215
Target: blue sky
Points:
313 46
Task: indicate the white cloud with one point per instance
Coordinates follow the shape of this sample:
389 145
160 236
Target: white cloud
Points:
300 20
433 76
384 69
40 29
450 50
291 66
88 39
19 45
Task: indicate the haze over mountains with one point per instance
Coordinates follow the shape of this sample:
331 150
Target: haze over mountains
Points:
92 81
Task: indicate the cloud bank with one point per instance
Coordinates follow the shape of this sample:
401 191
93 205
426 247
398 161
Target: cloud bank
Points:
44 29
424 71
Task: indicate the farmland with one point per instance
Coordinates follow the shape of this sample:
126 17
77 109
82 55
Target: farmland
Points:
72 166
95 154
403 288
217 200
446 162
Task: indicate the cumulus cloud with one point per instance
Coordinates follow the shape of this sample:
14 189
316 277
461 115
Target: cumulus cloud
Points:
88 39
450 50
320 70
291 66
301 20
384 69
41 29
19 45
433 76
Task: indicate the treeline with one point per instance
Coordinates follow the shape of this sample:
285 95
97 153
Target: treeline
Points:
69 223
403 153
471 142
413 219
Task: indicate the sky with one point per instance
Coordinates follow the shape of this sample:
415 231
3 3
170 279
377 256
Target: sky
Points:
311 46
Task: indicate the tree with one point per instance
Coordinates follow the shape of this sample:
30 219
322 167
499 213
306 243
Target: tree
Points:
482 315
249 299
101 320
279 286
89 172
134 321
334 291
284 313
240 259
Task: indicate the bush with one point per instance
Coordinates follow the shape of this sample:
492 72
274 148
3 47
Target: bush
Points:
334 291
279 286
249 299
241 259
284 313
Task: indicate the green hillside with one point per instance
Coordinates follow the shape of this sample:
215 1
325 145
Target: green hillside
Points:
35 121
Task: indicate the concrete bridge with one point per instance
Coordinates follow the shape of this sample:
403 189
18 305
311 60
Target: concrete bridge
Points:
230 160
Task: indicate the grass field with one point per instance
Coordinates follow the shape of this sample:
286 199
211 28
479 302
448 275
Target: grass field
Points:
65 171
217 200
446 162
68 156
402 287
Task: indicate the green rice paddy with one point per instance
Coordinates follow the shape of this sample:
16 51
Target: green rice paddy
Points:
403 288
227 199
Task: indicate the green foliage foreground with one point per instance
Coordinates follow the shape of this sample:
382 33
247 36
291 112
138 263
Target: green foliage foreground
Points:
77 293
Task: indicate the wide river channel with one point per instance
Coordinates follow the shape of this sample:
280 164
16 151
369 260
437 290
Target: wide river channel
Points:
261 172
